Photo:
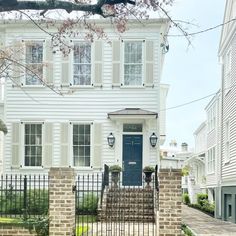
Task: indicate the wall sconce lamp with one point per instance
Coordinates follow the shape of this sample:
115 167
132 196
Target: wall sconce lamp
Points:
111 140
153 140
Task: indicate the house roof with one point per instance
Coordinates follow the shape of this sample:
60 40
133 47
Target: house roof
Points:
132 112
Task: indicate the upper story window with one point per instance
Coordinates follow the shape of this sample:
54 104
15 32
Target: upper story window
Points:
133 63
33 145
82 64
227 67
211 160
81 145
227 141
211 118
34 62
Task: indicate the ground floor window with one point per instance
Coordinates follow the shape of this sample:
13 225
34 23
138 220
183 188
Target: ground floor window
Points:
33 145
81 145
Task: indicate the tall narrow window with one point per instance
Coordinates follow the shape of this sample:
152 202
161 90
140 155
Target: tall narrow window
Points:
34 63
227 141
81 144
82 64
133 63
211 160
227 71
33 144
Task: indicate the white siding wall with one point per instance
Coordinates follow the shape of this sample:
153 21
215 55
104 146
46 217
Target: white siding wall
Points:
229 107
200 139
91 104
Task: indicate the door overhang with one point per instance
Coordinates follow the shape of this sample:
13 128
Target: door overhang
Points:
132 113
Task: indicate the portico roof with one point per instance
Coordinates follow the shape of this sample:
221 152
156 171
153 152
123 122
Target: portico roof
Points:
133 113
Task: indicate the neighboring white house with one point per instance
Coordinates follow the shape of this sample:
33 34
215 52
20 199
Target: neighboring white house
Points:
108 89
1 118
227 55
196 180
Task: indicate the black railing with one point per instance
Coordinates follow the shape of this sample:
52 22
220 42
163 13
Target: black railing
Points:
23 195
105 180
156 178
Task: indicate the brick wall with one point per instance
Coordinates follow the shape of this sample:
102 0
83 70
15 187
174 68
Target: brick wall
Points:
11 230
61 202
170 202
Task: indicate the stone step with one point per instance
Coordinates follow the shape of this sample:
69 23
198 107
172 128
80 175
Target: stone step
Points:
119 211
130 201
126 218
129 205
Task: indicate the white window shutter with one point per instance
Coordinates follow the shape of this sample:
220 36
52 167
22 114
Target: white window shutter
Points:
64 145
66 72
149 75
18 56
15 157
48 62
48 145
98 57
116 65
97 146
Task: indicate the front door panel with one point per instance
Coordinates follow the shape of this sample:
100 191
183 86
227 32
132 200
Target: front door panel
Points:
132 160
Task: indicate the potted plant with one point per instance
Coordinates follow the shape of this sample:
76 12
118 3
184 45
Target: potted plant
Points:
115 173
148 170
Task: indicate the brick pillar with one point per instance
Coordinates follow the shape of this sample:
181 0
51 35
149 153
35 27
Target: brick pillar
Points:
61 202
170 202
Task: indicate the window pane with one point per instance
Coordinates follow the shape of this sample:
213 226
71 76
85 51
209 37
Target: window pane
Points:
132 128
33 144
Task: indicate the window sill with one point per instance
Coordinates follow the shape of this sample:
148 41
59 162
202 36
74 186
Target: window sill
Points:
132 87
32 167
85 168
81 86
33 86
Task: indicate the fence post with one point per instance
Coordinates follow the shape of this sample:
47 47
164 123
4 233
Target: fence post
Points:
170 202
25 193
61 202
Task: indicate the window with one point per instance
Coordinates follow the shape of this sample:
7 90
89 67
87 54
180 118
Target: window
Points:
33 144
133 63
132 128
211 160
211 118
82 64
81 144
34 63
227 72
227 141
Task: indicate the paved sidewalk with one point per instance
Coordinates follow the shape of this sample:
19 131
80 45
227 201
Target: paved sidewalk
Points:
202 224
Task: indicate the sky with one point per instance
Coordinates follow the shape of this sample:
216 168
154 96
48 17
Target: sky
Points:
192 71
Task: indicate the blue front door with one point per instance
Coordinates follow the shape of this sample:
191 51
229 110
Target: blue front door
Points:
132 160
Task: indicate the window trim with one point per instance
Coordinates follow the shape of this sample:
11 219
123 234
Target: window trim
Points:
23 166
211 163
71 59
43 60
227 72
142 85
227 141
71 159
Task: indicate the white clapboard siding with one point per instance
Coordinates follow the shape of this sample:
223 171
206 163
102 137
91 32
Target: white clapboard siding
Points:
18 64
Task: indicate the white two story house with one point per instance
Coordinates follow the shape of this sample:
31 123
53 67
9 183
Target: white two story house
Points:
106 89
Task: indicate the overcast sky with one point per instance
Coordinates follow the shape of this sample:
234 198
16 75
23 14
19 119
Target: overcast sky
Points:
192 72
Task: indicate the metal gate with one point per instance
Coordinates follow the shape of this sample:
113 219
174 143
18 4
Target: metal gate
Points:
106 208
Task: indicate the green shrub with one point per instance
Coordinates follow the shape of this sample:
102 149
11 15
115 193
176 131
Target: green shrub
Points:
12 202
88 204
115 168
206 207
201 197
185 198
186 230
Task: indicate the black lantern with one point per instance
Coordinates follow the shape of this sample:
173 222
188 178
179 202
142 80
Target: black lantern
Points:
153 140
111 140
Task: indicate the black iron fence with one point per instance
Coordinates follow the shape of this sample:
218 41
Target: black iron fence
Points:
105 207
23 195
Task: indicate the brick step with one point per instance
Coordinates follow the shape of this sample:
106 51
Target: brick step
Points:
112 189
129 205
127 212
130 195
127 218
131 201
